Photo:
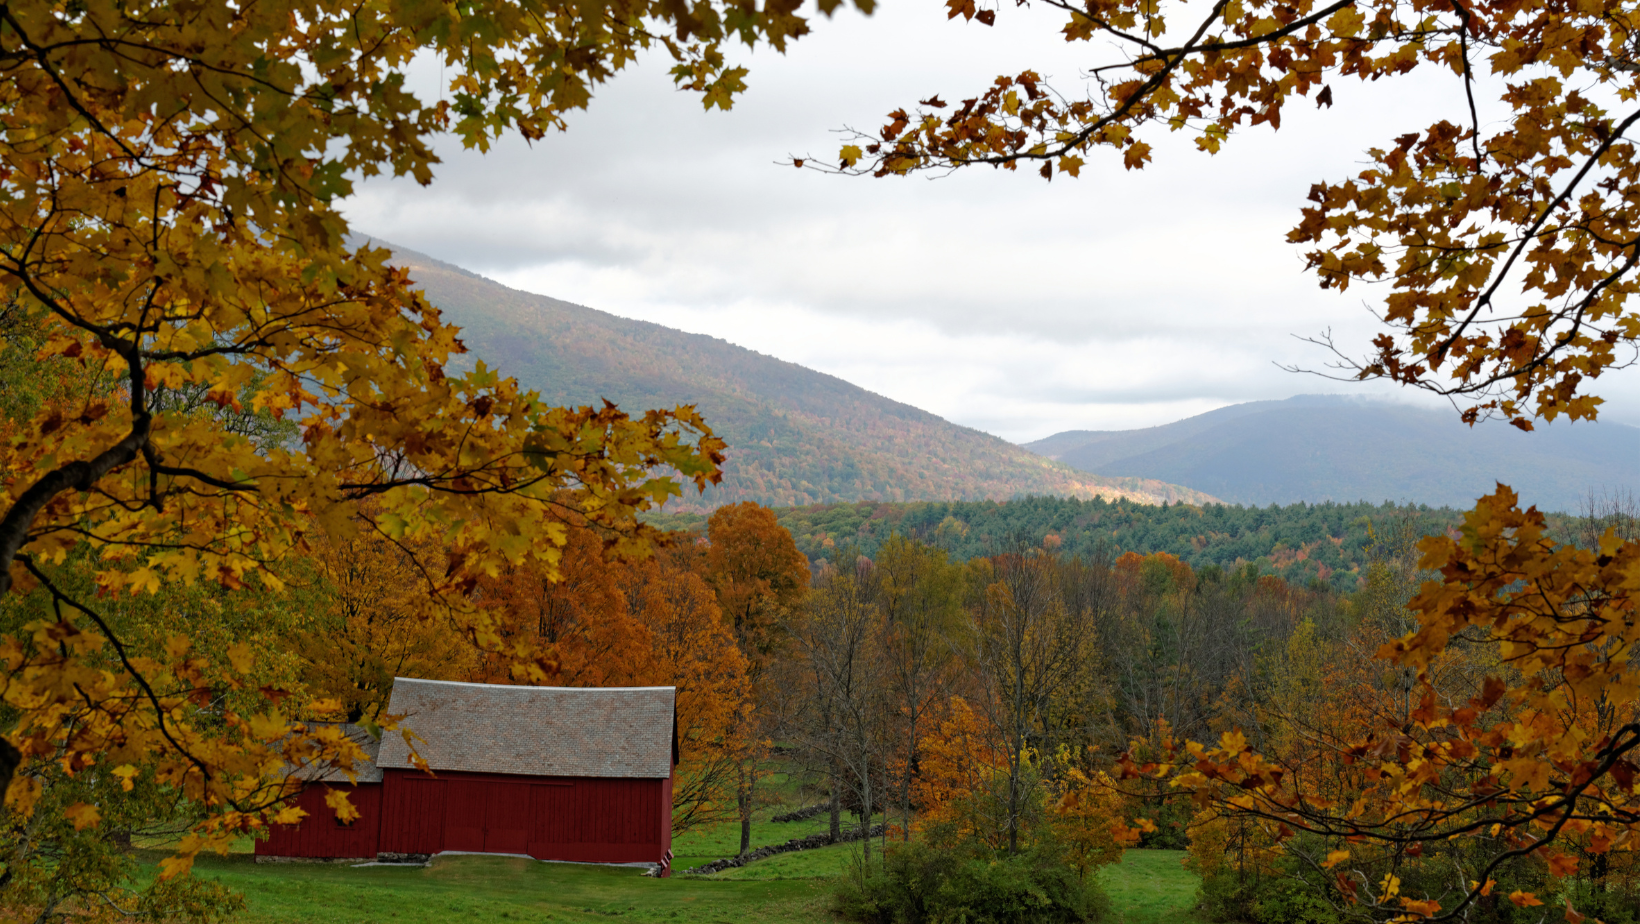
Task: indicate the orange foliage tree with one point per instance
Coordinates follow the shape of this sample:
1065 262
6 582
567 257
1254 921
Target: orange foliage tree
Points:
759 576
961 779
651 622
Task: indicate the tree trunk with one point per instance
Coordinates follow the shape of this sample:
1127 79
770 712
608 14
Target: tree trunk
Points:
865 825
744 797
905 788
836 828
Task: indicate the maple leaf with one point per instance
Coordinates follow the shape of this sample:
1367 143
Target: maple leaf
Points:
1524 899
83 815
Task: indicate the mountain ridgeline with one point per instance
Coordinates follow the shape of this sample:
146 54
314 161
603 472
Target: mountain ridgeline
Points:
795 436
1319 448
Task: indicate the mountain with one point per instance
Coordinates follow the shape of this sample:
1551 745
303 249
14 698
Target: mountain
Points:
1334 448
795 436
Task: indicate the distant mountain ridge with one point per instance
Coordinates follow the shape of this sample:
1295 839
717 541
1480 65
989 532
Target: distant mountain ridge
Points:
1318 448
796 436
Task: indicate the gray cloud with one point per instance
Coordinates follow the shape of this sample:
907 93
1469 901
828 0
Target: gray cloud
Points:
991 298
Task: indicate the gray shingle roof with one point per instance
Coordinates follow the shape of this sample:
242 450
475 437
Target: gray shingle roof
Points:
540 731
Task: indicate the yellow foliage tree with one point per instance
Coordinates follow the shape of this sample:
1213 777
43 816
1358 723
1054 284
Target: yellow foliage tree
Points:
1536 765
1087 819
169 179
367 620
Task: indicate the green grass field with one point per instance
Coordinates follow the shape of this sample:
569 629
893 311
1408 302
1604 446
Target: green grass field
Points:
462 889
1151 887
1148 887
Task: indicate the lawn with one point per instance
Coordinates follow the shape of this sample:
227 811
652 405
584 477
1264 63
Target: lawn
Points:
1147 887
461 889
1151 887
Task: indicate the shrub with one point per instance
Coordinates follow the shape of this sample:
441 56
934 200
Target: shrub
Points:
921 884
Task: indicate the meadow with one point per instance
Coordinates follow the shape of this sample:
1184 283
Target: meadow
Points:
1147 887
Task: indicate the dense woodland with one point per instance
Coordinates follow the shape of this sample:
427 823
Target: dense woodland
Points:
1300 543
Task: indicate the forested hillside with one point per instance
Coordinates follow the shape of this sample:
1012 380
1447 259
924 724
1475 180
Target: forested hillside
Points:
795 436
1300 542
1320 448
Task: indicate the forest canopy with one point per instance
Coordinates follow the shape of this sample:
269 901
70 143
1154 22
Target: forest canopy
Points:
1301 543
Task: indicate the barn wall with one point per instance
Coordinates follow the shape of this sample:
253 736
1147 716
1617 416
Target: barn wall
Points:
549 818
320 835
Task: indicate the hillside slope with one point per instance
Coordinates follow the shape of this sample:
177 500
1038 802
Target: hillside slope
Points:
795 436
1332 448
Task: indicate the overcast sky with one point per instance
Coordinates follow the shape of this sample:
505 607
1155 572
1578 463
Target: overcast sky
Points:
1023 308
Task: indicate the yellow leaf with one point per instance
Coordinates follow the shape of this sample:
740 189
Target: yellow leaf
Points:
83 815
172 867
1524 899
242 657
1335 857
338 802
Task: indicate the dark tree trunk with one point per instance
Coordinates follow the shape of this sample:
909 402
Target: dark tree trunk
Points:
744 798
836 829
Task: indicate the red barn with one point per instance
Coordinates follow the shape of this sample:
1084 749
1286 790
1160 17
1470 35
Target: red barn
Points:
555 773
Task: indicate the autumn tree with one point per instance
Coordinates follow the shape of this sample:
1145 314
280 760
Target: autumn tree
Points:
1030 647
368 620
169 226
964 766
577 618
652 621
921 597
759 577
839 639
693 649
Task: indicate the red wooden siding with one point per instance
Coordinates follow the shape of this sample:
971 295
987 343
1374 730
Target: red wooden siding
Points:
413 814
550 818
320 835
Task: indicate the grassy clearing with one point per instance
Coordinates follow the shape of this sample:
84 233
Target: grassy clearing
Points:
1148 887
461 889
1151 887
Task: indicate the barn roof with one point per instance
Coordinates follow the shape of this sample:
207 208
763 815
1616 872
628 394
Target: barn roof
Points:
539 731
